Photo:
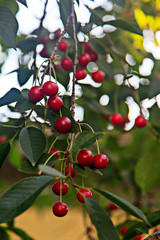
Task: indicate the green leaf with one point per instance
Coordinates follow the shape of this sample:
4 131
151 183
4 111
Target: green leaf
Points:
85 139
147 171
4 150
66 112
102 222
65 11
10 97
23 75
123 204
33 143
154 218
27 167
125 26
15 156
21 196
41 111
27 45
23 2
23 104
8 26
120 3
80 170
51 171
20 233
3 233
12 5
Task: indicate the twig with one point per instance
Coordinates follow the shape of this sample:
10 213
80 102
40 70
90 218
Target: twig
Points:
34 67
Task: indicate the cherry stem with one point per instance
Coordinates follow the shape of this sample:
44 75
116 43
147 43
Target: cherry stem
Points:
53 143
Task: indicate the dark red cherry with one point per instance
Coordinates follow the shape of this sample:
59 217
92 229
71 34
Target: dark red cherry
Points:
60 209
67 63
140 122
116 119
84 59
70 171
63 125
59 187
80 73
55 103
63 46
85 157
98 76
50 88
83 193
100 161
36 94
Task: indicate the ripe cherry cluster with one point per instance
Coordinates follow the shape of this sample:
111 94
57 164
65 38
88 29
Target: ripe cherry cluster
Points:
84 158
117 119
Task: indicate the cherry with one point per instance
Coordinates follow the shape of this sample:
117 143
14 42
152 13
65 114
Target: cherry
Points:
116 119
85 157
69 171
93 55
106 116
44 53
2 139
43 39
55 103
98 76
81 73
63 46
53 150
111 206
100 161
57 33
83 192
87 47
84 59
140 122
50 88
36 94
67 63
60 209
138 237
58 185
63 125
123 230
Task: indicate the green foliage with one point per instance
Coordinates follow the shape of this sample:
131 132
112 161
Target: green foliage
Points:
4 150
10 97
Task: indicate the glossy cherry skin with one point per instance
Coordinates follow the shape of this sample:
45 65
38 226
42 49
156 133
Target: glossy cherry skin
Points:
85 158
123 230
67 63
56 188
36 94
63 46
84 59
55 103
87 47
111 206
98 76
83 193
50 88
70 171
80 73
60 209
100 161
63 125
116 119
140 122
53 150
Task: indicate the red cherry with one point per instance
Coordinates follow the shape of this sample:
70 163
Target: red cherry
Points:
36 94
111 206
123 230
85 157
44 53
43 39
98 76
106 116
57 33
83 192
116 119
94 56
87 47
55 103
67 63
58 185
60 209
63 125
70 171
100 161
140 122
53 150
84 59
2 139
138 237
50 88
63 46
81 73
